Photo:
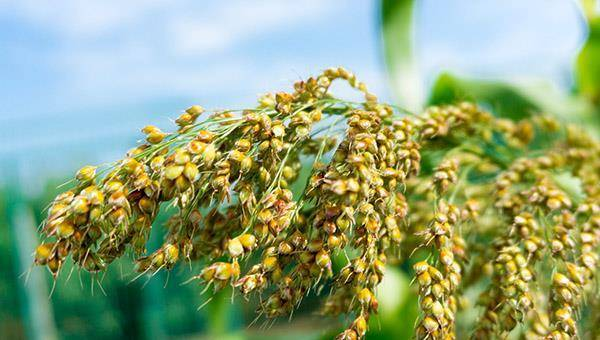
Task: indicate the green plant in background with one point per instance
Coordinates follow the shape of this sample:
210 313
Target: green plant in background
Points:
308 196
398 39
509 100
588 62
78 307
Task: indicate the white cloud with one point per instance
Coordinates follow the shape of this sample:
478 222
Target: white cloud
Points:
192 27
81 19
238 21
111 48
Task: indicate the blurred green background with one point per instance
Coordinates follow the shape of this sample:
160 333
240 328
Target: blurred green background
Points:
387 41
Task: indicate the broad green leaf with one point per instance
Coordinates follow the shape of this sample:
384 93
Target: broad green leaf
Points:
516 100
570 108
588 64
397 33
504 99
398 302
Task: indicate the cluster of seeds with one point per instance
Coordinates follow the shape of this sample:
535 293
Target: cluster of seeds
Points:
265 200
437 285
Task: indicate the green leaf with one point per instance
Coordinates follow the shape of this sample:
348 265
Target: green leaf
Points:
516 100
504 99
397 33
398 303
588 64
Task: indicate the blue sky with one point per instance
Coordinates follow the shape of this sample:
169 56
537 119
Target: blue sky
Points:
79 78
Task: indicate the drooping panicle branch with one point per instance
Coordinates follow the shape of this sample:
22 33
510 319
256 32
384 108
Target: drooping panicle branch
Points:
266 199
